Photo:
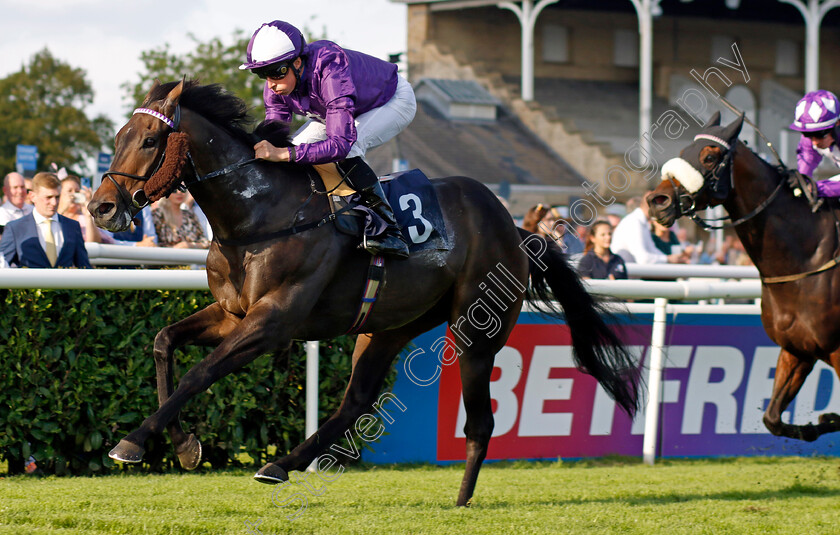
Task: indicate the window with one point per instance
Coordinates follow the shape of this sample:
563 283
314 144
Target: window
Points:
626 52
787 57
555 44
722 47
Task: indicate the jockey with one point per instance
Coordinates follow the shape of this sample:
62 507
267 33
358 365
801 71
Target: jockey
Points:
817 116
354 102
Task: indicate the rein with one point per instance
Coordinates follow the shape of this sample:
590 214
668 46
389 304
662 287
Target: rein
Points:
140 199
704 223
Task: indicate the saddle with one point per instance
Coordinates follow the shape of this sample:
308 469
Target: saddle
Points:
412 197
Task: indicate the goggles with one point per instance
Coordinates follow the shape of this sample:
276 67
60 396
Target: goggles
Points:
820 134
276 71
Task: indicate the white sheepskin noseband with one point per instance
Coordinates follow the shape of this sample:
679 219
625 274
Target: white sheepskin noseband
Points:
689 177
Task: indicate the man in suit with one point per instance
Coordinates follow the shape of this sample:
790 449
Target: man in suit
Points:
14 191
44 239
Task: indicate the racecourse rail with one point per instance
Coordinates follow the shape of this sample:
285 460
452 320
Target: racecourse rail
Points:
196 279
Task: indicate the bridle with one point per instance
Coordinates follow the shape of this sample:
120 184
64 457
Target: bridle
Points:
718 187
139 199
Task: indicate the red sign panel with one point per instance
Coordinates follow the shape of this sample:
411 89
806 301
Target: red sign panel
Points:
543 407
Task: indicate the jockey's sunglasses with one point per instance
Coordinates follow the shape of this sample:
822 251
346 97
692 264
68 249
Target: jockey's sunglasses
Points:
819 135
277 72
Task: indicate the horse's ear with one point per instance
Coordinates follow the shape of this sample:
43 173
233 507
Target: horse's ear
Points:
148 96
714 121
734 128
172 99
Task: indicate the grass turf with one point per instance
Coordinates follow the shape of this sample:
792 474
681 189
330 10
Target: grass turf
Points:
744 496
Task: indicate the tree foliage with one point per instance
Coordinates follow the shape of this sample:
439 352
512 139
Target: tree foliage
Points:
211 62
44 104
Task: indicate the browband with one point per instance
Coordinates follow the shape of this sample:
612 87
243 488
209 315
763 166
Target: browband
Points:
710 137
158 115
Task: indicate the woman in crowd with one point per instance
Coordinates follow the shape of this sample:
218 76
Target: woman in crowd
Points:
176 227
598 261
72 202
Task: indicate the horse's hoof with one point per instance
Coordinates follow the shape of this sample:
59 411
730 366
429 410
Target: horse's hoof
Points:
271 474
189 453
830 418
127 452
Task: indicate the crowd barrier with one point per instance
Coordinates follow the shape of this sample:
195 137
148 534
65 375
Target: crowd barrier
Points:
660 291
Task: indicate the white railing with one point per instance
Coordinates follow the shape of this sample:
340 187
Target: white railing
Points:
104 255
685 271
101 254
184 279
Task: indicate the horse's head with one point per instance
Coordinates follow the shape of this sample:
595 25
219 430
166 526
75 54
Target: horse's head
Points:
700 177
139 149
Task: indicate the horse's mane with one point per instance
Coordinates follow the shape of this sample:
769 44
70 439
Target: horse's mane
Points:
223 109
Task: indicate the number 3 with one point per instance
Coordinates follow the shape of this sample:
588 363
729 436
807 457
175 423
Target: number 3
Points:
417 213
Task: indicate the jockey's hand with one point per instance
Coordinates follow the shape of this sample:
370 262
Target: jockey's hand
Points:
266 151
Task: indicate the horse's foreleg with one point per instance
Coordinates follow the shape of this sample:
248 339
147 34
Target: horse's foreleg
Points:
791 372
247 341
207 327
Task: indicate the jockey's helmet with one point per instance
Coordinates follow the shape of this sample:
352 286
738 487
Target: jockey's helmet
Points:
273 42
817 110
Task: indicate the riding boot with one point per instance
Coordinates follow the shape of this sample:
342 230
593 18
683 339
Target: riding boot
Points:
362 178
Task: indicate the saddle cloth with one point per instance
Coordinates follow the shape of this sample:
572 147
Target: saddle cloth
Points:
415 205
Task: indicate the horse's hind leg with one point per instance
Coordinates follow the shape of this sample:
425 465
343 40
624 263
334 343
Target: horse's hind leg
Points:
208 327
791 372
476 368
475 361
372 358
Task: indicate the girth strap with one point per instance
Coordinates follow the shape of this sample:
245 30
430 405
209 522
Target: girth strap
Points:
376 272
281 233
798 276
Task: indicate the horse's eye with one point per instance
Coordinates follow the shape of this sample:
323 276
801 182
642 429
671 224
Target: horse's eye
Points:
710 158
148 143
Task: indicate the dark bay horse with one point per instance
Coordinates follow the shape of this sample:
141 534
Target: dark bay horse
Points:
272 286
793 249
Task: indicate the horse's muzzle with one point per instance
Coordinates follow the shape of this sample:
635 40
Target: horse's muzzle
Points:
107 215
662 207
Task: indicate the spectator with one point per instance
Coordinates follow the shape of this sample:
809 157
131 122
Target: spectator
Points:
190 204
175 227
28 182
73 204
633 241
531 221
664 238
43 238
614 214
558 226
598 261
733 253
15 192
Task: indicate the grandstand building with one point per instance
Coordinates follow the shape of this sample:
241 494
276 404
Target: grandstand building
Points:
581 106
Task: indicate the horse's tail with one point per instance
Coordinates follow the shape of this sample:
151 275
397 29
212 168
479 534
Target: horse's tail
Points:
597 349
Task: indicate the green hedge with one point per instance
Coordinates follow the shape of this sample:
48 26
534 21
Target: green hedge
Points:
77 374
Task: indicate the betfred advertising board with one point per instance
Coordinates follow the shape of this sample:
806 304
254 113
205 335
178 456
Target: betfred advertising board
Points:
717 380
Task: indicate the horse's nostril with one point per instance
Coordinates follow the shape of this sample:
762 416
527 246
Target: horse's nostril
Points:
104 208
660 200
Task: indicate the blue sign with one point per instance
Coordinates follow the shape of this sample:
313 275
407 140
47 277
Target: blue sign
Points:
27 158
103 162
